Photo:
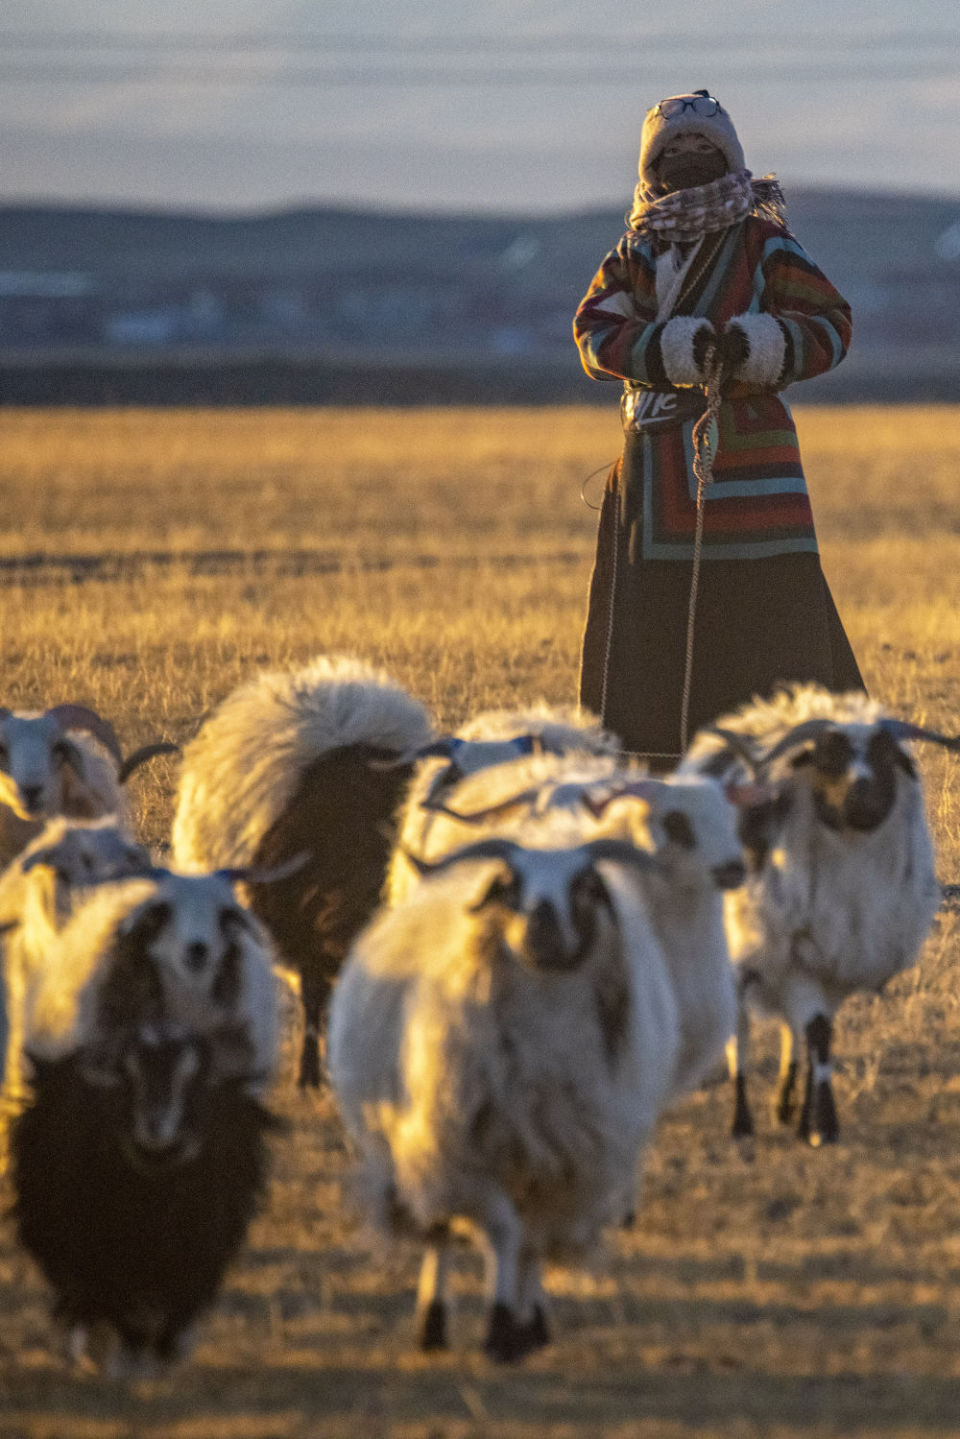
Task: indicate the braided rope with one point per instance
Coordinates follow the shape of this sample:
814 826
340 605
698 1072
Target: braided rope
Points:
703 458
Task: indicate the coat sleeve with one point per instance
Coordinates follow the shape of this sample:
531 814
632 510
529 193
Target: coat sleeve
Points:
615 326
813 317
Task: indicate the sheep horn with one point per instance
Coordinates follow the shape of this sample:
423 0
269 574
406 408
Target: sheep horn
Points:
620 852
442 748
739 744
142 755
637 789
504 849
902 729
250 874
477 816
78 717
808 729
39 856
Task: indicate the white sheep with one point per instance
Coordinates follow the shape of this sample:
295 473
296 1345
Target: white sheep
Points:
303 762
842 891
501 1045
688 822
480 749
66 760
38 893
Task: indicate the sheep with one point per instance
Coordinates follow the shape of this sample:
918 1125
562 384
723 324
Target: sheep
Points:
166 946
134 1187
37 895
842 890
66 760
481 748
688 822
303 761
500 1046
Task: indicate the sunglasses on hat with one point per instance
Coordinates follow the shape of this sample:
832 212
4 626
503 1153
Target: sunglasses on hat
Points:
702 104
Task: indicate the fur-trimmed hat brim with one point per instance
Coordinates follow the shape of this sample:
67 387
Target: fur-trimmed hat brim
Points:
659 129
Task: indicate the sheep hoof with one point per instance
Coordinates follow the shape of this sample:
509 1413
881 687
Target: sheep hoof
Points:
433 1327
742 1118
826 1129
536 1333
309 1065
504 1341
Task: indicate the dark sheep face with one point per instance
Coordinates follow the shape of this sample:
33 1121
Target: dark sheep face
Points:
550 922
855 777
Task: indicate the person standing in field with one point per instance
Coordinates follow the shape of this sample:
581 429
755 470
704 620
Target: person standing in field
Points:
707 281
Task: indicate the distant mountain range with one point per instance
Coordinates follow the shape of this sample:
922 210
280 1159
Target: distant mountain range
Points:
349 305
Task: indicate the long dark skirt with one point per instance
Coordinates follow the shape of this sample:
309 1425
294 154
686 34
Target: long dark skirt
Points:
759 623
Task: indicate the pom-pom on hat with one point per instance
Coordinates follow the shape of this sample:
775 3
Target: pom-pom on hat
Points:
687 114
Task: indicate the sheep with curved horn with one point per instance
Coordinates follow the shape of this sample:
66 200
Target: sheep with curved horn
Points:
38 895
690 825
310 761
500 1046
67 761
845 890
480 753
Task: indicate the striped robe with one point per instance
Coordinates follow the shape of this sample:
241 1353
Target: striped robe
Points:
764 610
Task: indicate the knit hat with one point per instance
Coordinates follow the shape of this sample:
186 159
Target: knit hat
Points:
659 130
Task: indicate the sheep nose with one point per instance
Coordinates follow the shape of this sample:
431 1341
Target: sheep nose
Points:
195 955
730 875
31 794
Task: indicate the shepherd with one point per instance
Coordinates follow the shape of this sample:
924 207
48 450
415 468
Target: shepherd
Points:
707 300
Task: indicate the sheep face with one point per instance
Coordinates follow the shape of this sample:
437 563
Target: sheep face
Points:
853 775
693 827
83 854
194 928
549 912
36 758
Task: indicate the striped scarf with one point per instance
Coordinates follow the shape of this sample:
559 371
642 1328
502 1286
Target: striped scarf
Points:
683 216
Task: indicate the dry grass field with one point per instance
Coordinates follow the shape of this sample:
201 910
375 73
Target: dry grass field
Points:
151 560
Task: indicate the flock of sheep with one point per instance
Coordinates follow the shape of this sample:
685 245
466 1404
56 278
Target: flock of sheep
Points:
519 945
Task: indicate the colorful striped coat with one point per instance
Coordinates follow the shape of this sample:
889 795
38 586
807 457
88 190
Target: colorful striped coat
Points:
758 504
764 613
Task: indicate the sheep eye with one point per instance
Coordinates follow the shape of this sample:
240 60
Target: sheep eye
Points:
832 755
677 828
4 756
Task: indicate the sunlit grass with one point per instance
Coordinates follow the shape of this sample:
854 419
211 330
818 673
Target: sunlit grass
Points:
171 554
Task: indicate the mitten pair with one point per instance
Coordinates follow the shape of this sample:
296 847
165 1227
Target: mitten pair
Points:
751 349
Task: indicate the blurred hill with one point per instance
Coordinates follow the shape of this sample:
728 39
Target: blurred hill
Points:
327 305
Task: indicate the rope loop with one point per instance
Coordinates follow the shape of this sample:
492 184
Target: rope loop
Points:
703 460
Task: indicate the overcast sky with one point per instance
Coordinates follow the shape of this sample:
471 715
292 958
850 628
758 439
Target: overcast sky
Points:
494 105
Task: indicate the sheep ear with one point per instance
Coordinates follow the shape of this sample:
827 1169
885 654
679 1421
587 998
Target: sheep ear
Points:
46 856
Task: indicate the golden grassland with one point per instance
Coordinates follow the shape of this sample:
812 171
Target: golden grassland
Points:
150 560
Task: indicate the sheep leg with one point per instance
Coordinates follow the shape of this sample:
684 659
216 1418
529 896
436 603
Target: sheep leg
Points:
818 1121
433 1301
785 1102
532 1329
738 1060
313 994
504 1233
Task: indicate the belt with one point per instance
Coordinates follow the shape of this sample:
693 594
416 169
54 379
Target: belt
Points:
646 411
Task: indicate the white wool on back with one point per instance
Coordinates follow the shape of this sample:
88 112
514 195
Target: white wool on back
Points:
241 770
